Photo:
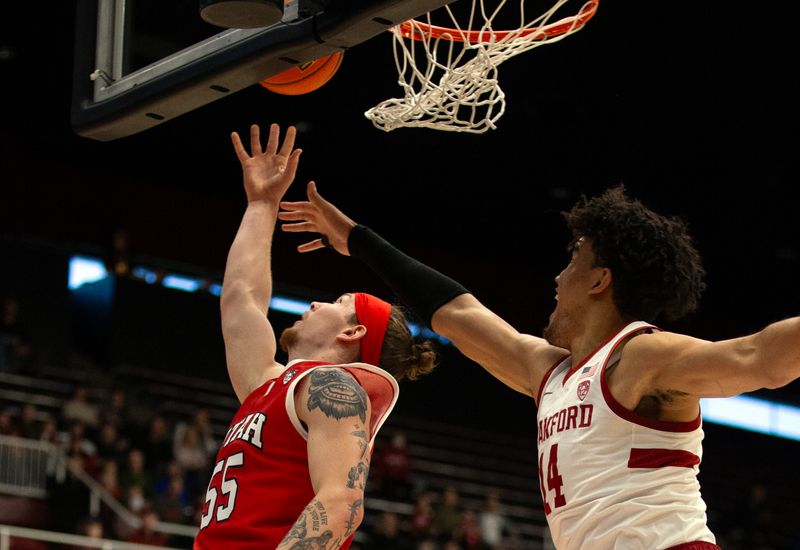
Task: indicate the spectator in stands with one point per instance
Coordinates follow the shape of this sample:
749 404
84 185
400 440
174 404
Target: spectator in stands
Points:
90 527
468 533
28 424
147 533
172 505
387 534
421 521
110 446
195 461
16 351
759 520
49 431
135 474
448 514
82 455
495 526
114 410
68 496
109 479
391 468
75 435
8 424
157 444
202 423
172 470
78 407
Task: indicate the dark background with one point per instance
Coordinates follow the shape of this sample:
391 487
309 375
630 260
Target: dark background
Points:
690 105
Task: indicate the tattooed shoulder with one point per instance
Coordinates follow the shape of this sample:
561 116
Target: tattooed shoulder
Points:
336 394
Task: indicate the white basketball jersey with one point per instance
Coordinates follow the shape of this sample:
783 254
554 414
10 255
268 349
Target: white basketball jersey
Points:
611 479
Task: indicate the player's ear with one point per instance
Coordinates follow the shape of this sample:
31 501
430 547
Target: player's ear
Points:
352 334
602 280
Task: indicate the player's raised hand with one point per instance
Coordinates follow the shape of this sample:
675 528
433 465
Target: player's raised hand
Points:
267 173
317 215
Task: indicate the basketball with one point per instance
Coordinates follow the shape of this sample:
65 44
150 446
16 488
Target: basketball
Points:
306 77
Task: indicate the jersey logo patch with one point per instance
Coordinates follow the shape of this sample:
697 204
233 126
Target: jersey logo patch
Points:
583 389
289 375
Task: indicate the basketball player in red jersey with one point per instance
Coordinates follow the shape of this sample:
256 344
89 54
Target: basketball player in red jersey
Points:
292 468
618 399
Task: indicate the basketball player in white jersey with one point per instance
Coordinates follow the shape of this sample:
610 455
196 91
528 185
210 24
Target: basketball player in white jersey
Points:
618 399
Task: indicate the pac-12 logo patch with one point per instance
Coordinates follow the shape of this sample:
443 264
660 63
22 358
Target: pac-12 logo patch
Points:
289 375
583 389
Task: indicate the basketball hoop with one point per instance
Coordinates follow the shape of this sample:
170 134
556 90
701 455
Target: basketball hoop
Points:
449 73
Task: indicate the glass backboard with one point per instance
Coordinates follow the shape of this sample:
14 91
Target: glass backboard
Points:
140 63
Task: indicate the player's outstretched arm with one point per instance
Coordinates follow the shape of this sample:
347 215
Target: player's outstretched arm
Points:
767 359
516 359
337 411
247 285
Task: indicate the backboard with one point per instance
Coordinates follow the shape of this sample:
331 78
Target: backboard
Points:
140 63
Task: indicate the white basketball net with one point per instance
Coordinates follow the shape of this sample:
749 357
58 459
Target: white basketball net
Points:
449 75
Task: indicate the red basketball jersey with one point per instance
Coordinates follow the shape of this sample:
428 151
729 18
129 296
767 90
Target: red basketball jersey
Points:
261 482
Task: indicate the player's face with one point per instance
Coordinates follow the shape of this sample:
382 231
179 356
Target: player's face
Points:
572 286
321 323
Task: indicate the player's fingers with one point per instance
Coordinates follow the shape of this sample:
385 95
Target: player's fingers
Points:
255 139
299 227
313 194
292 216
288 141
272 142
295 205
291 166
316 244
238 147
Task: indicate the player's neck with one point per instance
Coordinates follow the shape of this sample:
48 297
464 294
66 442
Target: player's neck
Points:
314 353
599 327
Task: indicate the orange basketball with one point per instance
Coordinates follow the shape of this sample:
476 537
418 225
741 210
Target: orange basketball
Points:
306 77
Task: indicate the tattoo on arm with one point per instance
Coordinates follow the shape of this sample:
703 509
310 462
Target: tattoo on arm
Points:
357 476
314 543
351 526
299 528
336 394
363 440
316 514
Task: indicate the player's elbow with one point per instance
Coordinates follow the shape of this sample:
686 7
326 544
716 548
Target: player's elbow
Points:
237 297
233 294
344 508
778 378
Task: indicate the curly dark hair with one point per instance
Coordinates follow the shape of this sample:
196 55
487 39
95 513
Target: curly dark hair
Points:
655 266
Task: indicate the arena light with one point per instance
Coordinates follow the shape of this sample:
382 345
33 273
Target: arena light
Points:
84 270
147 275
289 305
179 282
753 414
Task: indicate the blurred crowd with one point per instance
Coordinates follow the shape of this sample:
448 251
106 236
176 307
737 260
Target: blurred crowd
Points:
158 471
157 466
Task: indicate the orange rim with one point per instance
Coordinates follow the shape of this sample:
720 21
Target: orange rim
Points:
421 31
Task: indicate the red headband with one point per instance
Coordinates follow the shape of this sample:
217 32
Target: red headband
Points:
373 313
